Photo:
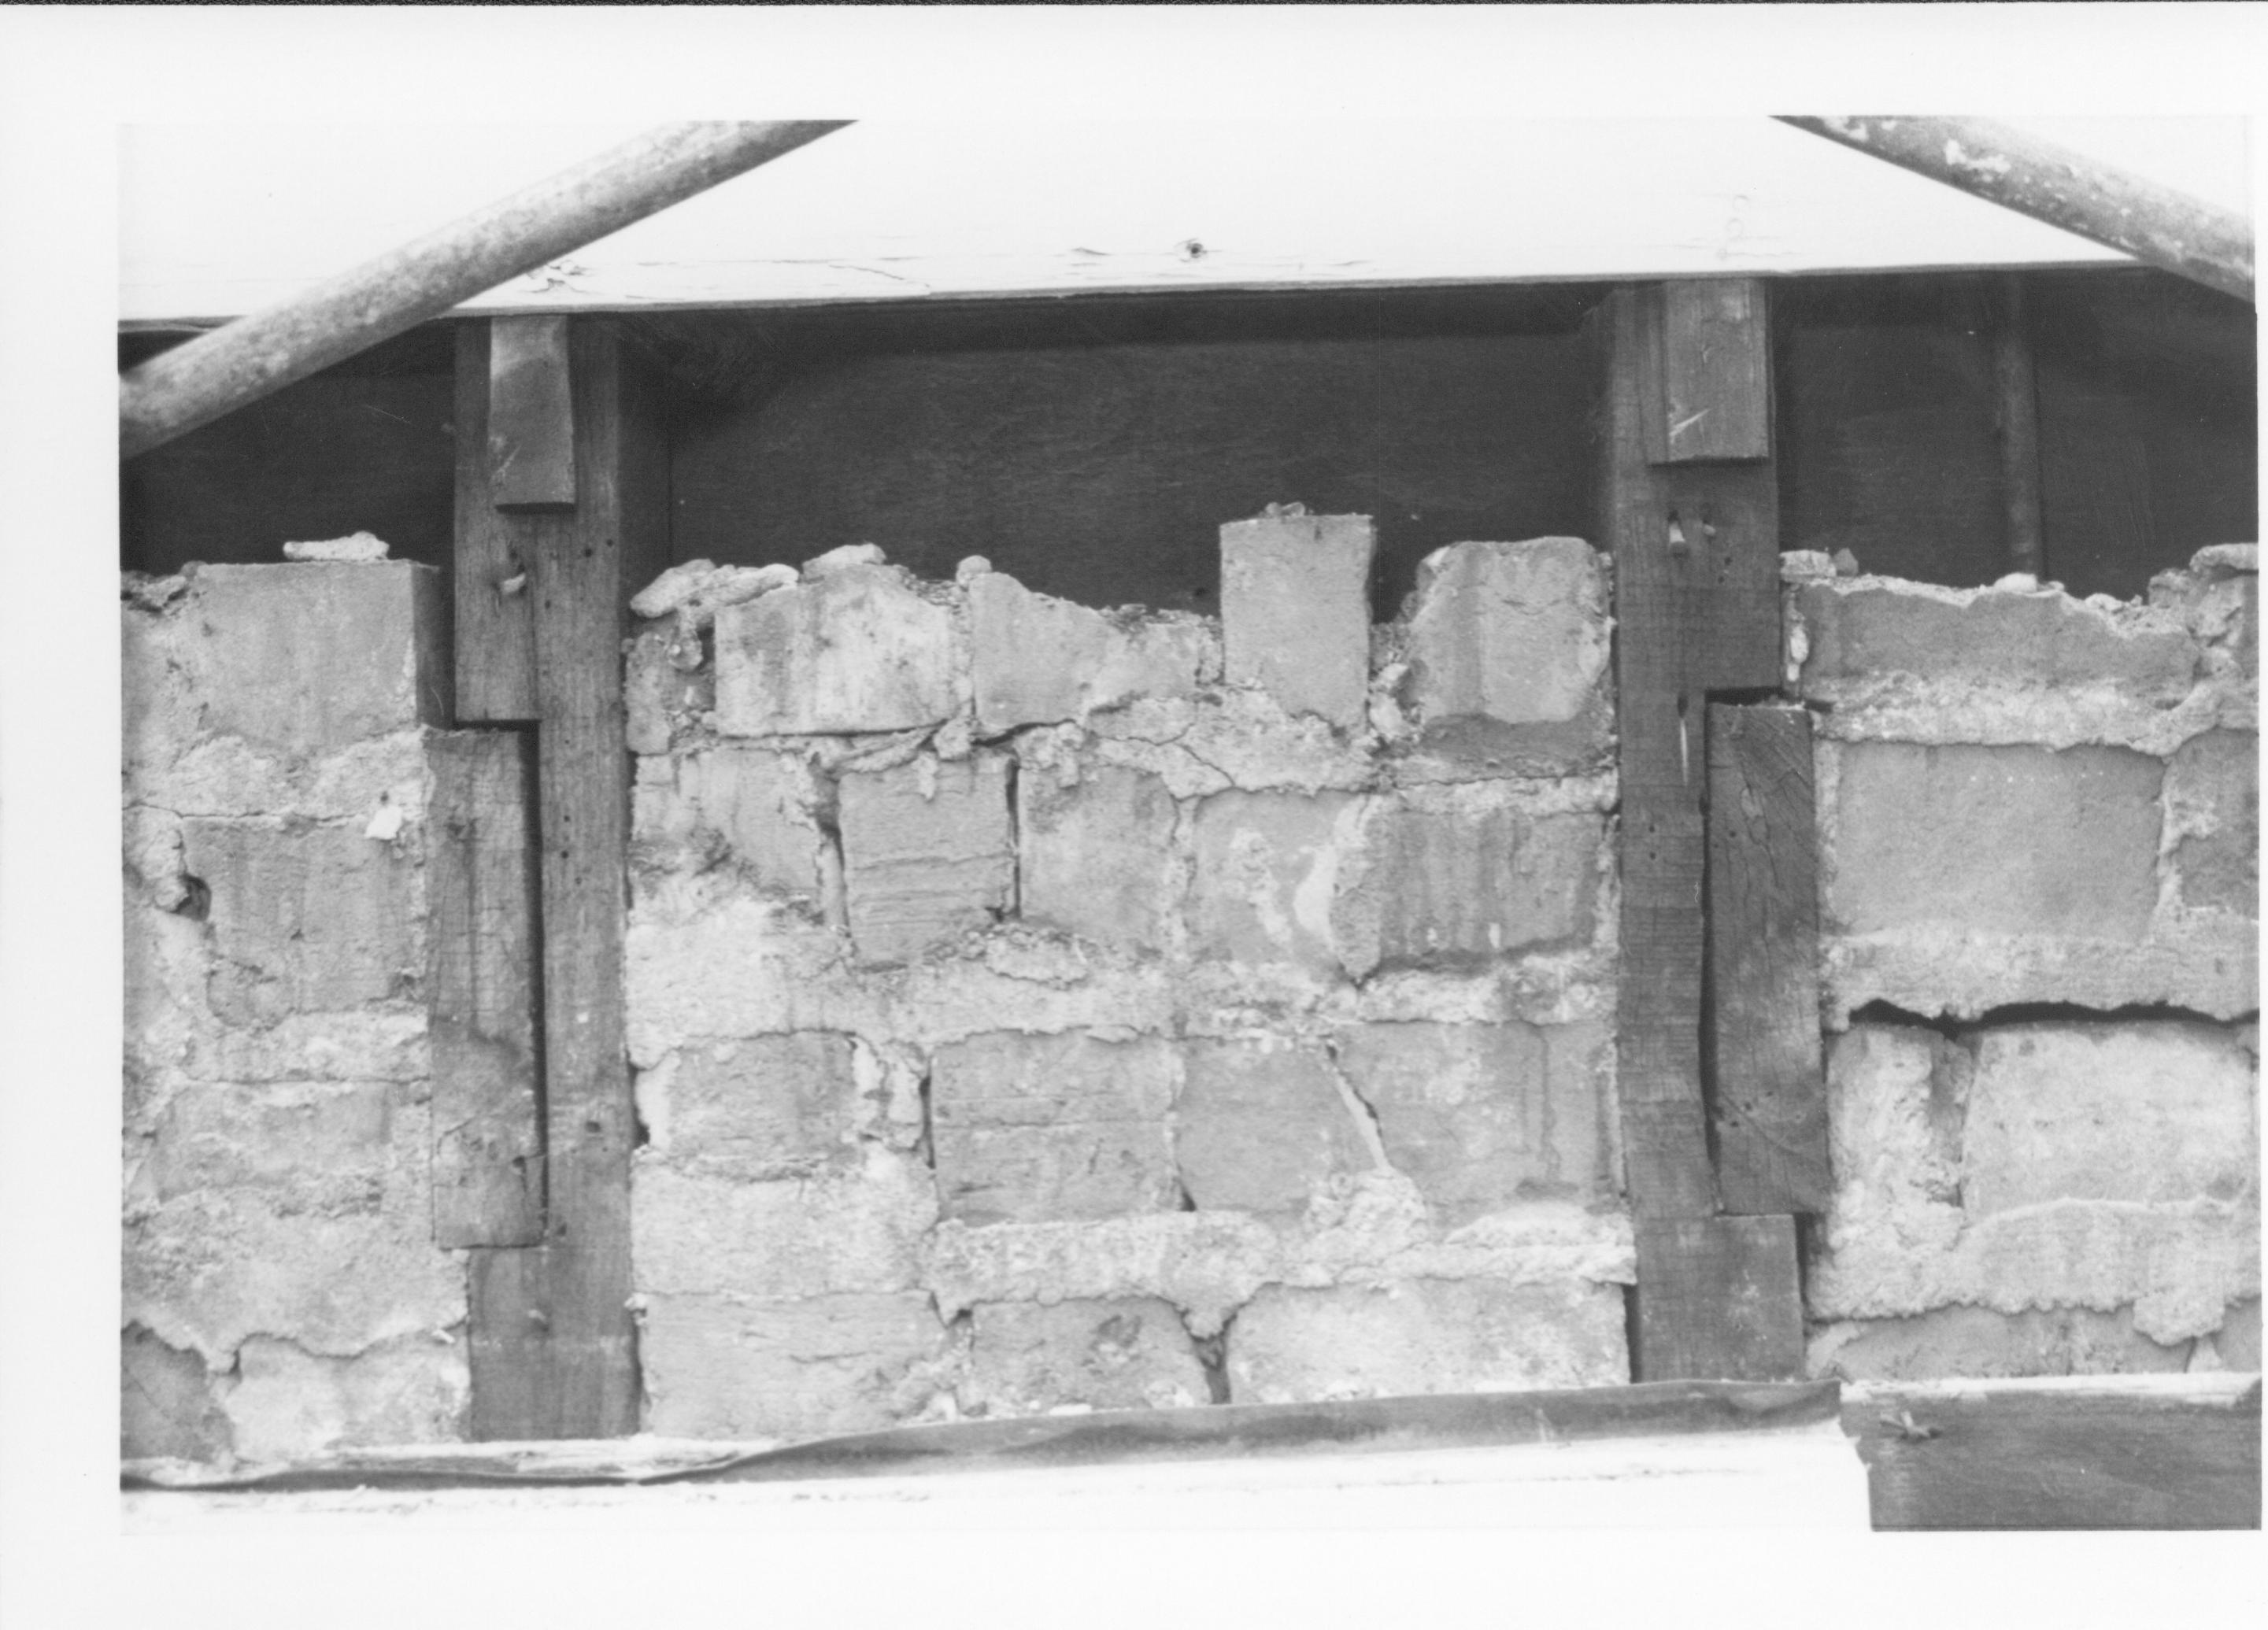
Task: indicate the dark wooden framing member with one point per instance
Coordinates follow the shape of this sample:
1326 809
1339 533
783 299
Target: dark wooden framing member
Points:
1689 509
553 1346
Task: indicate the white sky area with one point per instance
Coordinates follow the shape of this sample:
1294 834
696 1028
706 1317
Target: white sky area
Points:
217 219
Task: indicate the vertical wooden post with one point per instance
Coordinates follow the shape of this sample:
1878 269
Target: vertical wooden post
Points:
1690 508
495 617
480 885
553 1342
1769 1110
2016 420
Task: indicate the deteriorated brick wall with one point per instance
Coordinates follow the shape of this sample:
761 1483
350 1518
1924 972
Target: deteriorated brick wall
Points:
1038 1007
2039 890
282 1291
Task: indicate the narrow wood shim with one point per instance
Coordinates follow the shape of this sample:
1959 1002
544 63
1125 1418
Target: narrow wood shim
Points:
1716 372
553 1343
1768 1106
487 1146
494 614
1719 1299
2016 422
531 428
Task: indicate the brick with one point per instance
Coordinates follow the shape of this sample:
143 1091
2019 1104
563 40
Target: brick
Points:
741 806
1260 1124
857 1229
305 919
2213 783
322 1146
1267 870
725 1366
303 659
1425 1336
1507 649
1096 858
762 1106
1025 1358
1034 1129
1897 1098
2237 1342
927 853
1295 610
1456 887
2145 1112
165 1403
1977 1341
1485 1116
1862 632
660 699
1037 660
855 649
1995 839
288 1404
212 1267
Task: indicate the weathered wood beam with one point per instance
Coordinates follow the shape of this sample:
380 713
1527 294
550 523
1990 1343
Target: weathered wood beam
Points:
1769 1109
1697 564
553 1340
219 372
495 616
1718 1299
2156 224
531 426
1696 570
480 885
2108 1451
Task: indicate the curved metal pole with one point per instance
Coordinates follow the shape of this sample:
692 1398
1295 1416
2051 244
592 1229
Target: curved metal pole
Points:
2154 223
219 372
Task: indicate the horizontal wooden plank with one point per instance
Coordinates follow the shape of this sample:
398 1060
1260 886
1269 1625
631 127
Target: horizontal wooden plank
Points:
2144 1451
1679 1409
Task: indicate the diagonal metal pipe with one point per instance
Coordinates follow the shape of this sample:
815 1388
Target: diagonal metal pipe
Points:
217 373
2156 224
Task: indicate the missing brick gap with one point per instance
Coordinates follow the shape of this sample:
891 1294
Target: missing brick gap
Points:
1212 1358
195 903
925 1144
1359 1108
1955 1029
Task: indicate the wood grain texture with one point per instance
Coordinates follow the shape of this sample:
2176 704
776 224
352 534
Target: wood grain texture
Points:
554 1323
488 1144
1988 1455
1716 371
496 618
531 428
1768 1109
1696 551
1719 1299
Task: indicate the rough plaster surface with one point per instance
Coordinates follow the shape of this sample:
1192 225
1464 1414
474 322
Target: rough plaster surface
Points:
281 1289
2039 1167
2025 798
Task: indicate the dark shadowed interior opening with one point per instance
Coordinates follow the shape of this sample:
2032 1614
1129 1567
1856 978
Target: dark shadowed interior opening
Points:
1092 447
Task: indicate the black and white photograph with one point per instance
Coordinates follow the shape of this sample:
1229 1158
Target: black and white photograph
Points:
1195 791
